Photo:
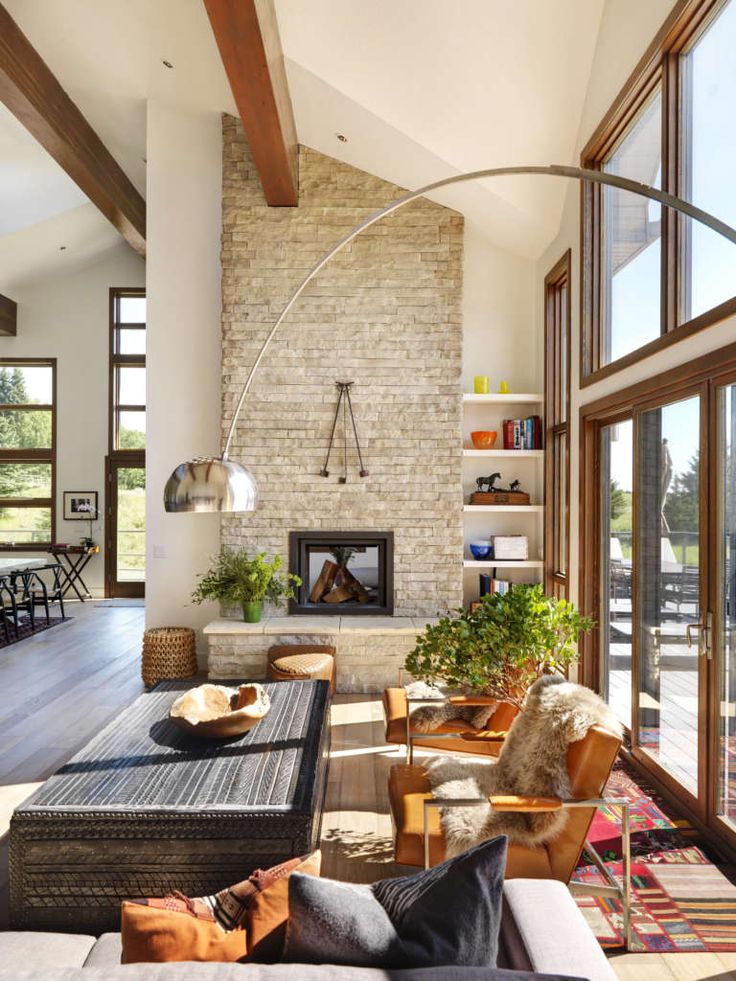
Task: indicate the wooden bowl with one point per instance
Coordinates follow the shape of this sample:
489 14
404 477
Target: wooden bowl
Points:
216 712
484 439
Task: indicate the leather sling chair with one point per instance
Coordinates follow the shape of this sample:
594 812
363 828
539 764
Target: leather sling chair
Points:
455 735
419 839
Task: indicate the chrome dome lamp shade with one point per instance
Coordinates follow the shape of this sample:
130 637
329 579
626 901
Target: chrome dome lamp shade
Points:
210 484
215 484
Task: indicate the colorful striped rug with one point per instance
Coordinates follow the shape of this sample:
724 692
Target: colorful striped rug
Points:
681 900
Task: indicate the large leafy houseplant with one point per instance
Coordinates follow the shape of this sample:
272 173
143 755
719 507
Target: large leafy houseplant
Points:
235 577
502 646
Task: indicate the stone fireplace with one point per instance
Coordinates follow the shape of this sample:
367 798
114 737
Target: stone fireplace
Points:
385 313
343 572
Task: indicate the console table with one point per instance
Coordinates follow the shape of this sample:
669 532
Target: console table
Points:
73 560
145 808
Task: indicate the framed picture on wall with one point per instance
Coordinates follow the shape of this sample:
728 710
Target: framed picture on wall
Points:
80 505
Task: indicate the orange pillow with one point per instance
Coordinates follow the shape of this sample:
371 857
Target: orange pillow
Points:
266 916
209 928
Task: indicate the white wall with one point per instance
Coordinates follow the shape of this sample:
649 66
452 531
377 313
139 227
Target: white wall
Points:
65 315
184 194
627 29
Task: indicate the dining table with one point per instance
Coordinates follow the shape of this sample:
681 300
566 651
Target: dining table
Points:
9 566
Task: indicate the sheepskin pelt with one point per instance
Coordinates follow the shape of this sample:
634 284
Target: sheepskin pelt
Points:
533 761
427 718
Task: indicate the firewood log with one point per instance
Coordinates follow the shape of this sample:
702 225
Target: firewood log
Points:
325 581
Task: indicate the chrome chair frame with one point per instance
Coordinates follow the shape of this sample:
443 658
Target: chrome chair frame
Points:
612 889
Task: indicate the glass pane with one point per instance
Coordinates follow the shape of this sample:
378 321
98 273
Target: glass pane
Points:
131 341
131 386
559 504
726 654
131 524
669 586
25 525
131 431
709 152
631 240
132 310
25 480
30 430
617 460
562 362
26 385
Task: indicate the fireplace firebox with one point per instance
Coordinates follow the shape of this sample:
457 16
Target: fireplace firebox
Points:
343 572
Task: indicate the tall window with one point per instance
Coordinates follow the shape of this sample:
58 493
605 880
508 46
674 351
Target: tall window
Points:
650 276
27 451
126 463
557 414
128 370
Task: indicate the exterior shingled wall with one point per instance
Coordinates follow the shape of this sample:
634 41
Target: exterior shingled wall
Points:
385 314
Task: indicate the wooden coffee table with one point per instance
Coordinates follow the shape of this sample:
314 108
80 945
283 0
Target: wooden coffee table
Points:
146 808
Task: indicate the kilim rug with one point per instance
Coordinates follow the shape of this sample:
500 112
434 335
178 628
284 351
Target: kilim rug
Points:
25 631
681 900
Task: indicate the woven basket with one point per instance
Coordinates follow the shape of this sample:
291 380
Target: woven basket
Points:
168 652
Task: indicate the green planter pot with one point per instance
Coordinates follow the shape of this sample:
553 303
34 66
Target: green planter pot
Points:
252 611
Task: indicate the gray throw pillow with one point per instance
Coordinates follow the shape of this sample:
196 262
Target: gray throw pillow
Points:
449 914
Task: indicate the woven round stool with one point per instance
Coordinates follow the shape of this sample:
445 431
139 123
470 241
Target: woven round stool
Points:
168 652
301 662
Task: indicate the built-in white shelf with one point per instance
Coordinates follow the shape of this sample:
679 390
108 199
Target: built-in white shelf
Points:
507 508
471 451
503 564
525 398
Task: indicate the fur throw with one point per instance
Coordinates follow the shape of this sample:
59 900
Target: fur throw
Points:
533 761
427 718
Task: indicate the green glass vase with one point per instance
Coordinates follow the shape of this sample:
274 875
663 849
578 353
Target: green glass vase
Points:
252 611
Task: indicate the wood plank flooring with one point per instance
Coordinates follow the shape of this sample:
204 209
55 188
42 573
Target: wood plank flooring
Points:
63 685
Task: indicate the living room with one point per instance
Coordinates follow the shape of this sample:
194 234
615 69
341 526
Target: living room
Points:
393 350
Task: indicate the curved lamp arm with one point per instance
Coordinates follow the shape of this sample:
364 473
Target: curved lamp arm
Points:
219 484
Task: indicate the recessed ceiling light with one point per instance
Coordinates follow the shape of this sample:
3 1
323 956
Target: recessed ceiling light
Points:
341 138
167 64
62 248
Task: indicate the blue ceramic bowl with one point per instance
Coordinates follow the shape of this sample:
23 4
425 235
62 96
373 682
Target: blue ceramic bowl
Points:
481 550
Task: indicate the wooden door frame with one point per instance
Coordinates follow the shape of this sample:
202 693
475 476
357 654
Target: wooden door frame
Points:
114 588
703 376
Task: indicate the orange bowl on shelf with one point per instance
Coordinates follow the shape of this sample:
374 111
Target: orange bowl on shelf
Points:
484 439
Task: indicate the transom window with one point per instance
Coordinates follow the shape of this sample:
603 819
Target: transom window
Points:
128 367
650 276
27 451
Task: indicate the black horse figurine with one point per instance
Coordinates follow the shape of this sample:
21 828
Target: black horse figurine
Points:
489 483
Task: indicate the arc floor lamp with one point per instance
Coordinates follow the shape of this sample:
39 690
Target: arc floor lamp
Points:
219 484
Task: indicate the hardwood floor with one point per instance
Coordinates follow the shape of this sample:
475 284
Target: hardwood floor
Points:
62 686
59 688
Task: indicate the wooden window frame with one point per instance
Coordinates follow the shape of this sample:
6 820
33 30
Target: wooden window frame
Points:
557 417
119 457
33 455
660 66
701 375
118 360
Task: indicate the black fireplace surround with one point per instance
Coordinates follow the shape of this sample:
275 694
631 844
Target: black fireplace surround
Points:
343 572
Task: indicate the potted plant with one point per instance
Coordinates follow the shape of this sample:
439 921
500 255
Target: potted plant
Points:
236 577
86 507
502 646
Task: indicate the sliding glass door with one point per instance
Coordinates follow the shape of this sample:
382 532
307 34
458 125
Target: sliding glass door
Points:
721 628
658 572
668 558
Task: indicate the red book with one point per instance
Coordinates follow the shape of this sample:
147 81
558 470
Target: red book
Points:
508 434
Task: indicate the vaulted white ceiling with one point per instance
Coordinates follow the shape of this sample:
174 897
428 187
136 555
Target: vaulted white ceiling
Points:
421 89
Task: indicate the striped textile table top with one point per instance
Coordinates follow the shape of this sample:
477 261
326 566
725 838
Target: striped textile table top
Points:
143 762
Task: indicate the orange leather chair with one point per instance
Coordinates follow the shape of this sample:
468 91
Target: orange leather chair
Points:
455 735
419 838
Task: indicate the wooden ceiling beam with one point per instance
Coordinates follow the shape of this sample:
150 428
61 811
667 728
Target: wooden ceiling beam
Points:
247 35
32 93
8 317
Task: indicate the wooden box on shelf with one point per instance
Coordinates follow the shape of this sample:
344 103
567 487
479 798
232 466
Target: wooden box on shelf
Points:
499 497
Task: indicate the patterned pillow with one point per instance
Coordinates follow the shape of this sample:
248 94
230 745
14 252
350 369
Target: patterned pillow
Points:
449 914
208 928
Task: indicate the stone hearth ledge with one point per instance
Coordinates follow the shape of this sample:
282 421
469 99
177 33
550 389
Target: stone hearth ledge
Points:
369 650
